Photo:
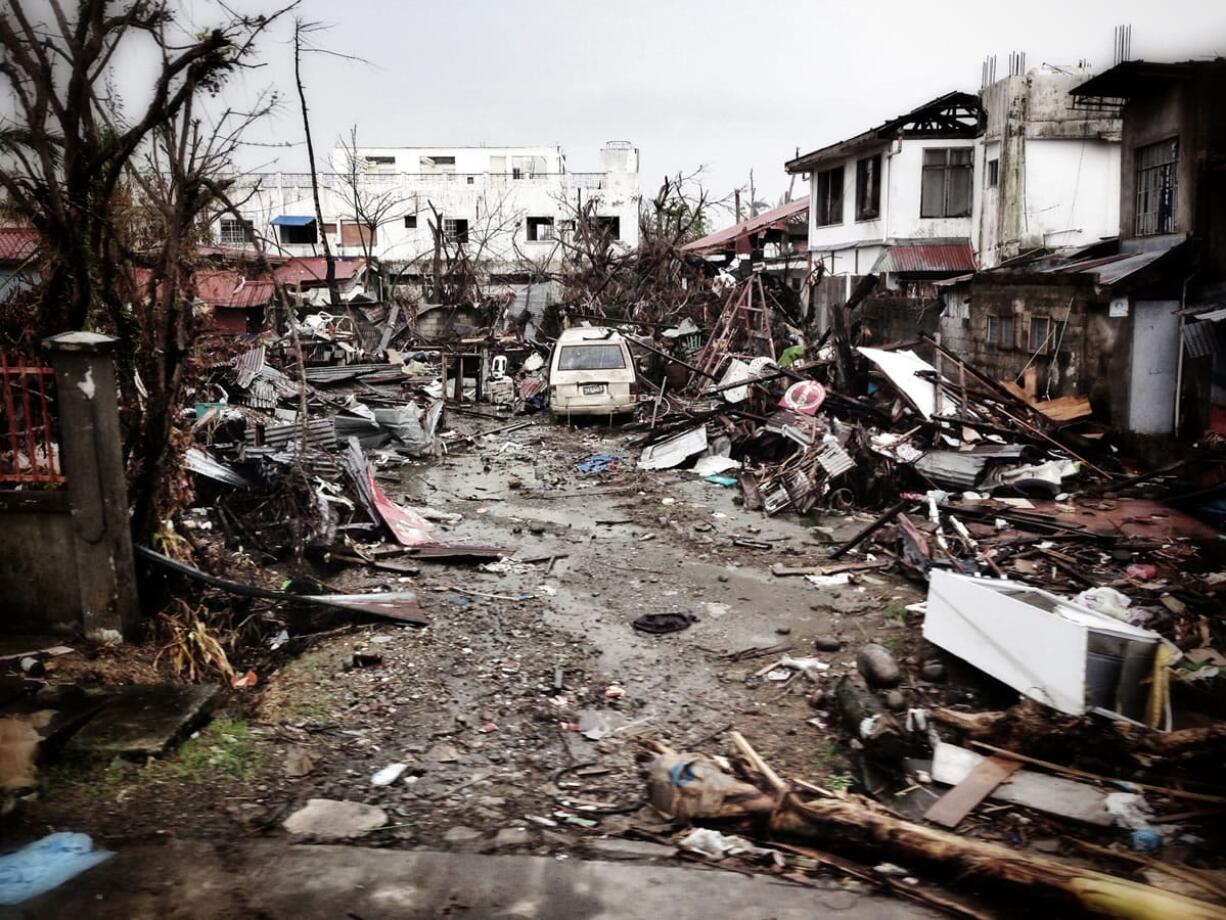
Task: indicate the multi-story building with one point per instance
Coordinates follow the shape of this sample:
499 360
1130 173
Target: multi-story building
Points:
509 208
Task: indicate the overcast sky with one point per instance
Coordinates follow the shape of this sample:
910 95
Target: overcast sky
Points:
727 86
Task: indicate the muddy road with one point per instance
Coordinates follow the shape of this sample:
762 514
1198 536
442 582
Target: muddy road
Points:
518 714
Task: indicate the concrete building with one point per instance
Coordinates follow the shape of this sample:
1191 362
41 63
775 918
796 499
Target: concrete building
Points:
1050 169
509 207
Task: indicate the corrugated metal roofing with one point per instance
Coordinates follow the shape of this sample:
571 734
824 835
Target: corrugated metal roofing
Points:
915 256
230 290
314 269
778 217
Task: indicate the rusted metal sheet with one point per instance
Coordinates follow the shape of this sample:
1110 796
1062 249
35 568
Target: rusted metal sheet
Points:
926 257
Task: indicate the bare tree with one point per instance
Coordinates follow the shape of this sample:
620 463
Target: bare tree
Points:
119 200
301 29
372 202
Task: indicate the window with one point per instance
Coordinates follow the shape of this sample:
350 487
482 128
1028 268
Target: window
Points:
1046 335
567 226
470 180
410 221
610 227
868 188
993 173
830 197
591 358
431 162
381 165
540 229
300 235
329 228
455 229
946 187
235 232
1157 182
1000 331
358 234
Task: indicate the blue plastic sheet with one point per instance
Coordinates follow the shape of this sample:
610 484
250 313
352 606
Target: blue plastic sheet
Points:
598 463
46 864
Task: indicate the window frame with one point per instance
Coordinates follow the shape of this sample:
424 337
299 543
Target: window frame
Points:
227 225
992 173
831 200
866 183
947 171
1164 192
296 234
410 221
533 227
453 232
1002 331
362 229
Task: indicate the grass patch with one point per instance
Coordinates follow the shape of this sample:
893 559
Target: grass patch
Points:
838 782
890 643
225 748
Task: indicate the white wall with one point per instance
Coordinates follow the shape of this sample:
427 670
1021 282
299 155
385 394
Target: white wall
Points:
1072 191
902 173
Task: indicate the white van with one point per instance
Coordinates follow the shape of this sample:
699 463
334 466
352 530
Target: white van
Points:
591 372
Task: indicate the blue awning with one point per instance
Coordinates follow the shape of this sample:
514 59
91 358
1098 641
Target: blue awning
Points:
292 220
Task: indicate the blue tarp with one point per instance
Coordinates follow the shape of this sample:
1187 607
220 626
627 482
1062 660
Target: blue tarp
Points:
46 864
292 220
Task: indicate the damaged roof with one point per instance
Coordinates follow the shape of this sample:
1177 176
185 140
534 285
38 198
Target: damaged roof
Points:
775 219
951 115
1133 78
314 270
230 290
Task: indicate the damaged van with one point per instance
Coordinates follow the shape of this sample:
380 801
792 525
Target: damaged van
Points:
592 373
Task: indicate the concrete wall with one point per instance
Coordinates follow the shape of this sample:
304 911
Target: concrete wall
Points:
38 580
1094 359
1058 167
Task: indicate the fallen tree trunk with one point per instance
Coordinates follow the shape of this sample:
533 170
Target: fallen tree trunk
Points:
689 787
1031 726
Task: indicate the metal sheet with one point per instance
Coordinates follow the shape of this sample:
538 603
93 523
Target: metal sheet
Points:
675 450
202 464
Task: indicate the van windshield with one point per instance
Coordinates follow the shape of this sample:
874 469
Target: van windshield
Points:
591 358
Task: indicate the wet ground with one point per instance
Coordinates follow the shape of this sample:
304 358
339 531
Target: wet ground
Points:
519 713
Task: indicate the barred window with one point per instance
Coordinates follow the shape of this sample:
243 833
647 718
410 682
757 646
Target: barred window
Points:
1157 183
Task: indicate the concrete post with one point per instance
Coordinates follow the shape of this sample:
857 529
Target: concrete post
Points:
91 455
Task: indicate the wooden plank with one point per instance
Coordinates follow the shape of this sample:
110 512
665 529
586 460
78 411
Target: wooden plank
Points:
958 802
780 570
1053 795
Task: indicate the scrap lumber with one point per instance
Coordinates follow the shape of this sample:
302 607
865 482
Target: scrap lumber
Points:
961 800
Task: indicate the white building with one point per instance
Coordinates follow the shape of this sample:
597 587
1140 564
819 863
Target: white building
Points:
898 197
507 206
963 182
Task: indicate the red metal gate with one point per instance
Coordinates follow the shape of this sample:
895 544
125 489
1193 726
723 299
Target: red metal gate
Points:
29 448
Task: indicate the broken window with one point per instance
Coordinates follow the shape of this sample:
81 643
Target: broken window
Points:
868 188
946 186
235 232
540 229
381 165
358 234
608 227
829 197
455 229
410 221
1157 182
1000 331
528 167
